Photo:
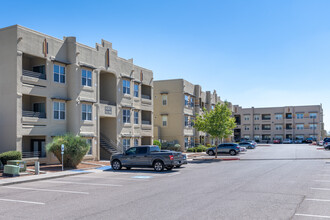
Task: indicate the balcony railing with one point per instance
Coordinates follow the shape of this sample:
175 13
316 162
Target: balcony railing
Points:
34 114
107 102
34 74
146 122
29 154
146 97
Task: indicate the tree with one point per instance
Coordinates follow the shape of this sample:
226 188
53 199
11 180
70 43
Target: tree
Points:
75 148
218 122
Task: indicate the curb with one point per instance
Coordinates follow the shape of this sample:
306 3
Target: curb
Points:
215 159
41 178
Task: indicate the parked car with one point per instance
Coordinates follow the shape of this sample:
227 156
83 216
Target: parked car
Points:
248 145
287 141
230 148
298 141
326 143
147 156
277 141
309 140
320 143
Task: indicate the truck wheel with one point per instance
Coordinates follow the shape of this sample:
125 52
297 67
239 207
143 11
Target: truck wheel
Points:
116 165
158 166
232 152
169 168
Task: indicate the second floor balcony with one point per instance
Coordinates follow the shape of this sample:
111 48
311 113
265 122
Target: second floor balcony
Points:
33 106
33 66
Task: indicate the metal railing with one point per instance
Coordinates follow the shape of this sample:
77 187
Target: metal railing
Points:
107 102
34 114
146 97
29 154
114 145
146 122
34 74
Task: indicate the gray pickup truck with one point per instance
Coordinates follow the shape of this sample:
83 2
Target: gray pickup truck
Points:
147 156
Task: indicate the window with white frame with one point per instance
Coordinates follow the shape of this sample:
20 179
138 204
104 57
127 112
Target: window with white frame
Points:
126 116
136 117
278 127
313 126
257 127
89 141
256 117
300 115
246 117
126 86
278 116
246 128
136 90
136 142
186 100
164 99
59 73
312 115
59 110
126 143
164 120
86 112
300 126
86 77
256 137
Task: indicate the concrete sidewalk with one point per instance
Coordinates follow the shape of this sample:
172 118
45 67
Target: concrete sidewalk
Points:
50 175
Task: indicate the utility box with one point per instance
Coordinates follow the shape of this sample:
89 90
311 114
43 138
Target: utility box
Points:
11 170
20 163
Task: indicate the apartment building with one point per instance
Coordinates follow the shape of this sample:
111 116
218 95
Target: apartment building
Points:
50 87
176 104
289 122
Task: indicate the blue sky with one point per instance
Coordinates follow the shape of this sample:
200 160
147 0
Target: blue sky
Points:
254 53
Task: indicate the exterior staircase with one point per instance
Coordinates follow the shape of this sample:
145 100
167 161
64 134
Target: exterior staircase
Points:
108 145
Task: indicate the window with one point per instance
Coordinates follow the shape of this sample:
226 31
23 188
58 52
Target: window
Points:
256 127
192 102
247 137
126 116
127 144
256 137
186 100
256 117
186 142
266 117
59 73
86 78
279 116
86 112
212 107
136 90
300 126
136 117
313 126
246 117
164 99
246 128
141 150
39 69
186 121
126 87
136 142
164 119
59 110
89 142
288 115
312 115
265 127
278 127
300 115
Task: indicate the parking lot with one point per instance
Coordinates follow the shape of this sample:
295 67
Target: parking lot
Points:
270 182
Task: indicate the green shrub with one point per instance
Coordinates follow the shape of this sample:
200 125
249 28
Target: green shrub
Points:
191 149
75 148
167 146
157 142
208 145
10 155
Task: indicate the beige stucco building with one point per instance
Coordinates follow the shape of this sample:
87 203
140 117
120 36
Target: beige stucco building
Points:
176 104
289 122
50 87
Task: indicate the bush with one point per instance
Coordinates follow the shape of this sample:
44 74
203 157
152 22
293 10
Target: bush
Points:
168 146
199 148
10 155
75 148
157 142
208 146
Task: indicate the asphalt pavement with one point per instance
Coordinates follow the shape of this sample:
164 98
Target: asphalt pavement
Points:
274 182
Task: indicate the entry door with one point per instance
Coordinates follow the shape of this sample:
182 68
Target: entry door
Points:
38 147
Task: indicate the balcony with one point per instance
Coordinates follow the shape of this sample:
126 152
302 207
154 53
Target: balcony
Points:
146 120
33 107
107 109
34 114
34 74
34 67
266 117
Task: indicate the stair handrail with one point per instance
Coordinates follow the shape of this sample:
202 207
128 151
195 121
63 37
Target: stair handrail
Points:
115 144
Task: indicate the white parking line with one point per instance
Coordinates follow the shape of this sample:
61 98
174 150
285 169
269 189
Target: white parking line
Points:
325 181
46 190
327 189
315 216
173 174
90 184
110 178
318 200
21 201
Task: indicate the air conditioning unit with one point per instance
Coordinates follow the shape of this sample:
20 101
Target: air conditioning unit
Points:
11 170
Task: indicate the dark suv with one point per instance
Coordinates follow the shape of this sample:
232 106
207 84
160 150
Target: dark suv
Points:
326 143
230 148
